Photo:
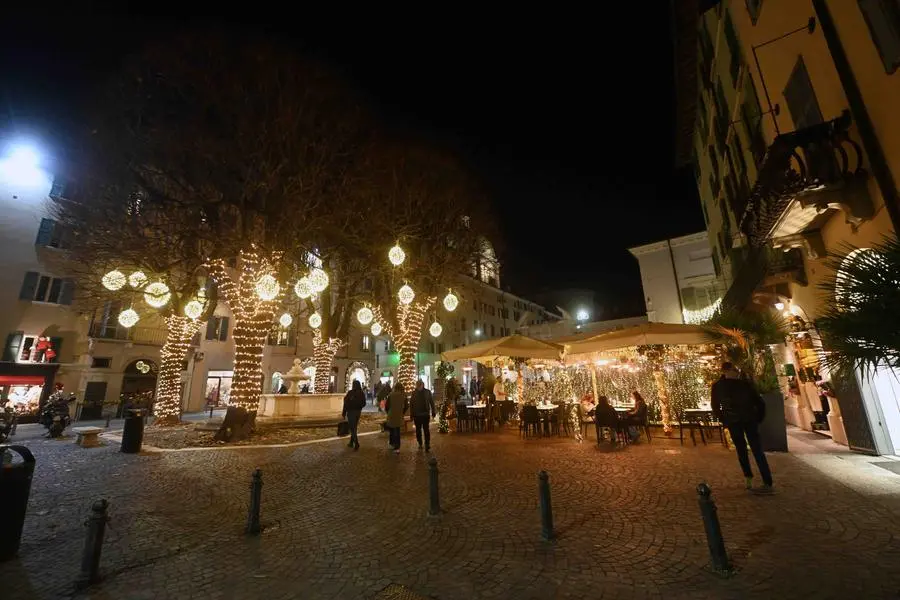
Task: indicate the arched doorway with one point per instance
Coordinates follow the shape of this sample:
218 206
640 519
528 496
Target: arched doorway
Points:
138 385
358 371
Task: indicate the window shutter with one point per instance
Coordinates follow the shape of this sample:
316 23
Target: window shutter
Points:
801 98
11 349
29 285
68 291
212 328
57 347
223 329
45 232
883 19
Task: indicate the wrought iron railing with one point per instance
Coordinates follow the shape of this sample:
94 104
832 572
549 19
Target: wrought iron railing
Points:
757 265
138 335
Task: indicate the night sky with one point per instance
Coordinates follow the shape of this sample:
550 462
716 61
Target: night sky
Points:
567 120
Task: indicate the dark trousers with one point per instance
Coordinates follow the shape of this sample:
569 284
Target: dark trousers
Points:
394 437
353 422
422 424
741 434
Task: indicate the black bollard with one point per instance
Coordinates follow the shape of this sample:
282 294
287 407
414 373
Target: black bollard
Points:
93 545
107 421
253 526
714 539
434 506
210 412
546 509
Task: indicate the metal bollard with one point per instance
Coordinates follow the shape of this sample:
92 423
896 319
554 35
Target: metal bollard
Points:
93 545
210 412
253 526
107 420
434 506
714 539
546 509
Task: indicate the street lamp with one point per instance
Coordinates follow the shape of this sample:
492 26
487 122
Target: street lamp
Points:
21 166
582 314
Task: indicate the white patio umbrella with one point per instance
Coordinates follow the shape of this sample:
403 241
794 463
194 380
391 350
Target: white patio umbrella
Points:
671 334
511 345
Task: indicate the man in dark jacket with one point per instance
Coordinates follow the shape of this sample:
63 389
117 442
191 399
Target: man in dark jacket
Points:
354 403
422 410
738 406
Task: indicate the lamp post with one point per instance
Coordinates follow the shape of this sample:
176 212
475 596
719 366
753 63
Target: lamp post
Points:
810 27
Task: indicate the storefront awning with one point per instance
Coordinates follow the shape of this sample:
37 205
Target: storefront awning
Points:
21 380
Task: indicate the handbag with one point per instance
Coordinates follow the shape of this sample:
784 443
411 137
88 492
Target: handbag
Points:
343 429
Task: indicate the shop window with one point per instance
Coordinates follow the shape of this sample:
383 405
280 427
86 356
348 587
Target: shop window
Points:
217 329
44 288
883 19
801 97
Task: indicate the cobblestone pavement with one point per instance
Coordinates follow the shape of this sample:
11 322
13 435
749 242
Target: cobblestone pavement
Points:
342 524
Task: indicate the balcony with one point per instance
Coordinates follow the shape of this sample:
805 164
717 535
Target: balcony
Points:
762 272
805 177
153 336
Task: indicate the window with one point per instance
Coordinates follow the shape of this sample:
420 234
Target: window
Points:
801 98
462 323
516 316
217 329
365 343
44 288
50 235
754 7
492 330
32 348
883 19
734 49
101 363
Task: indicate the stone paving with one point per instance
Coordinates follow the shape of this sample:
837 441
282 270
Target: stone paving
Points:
342 524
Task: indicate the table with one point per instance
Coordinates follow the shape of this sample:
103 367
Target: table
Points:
479 416
477 406
547 407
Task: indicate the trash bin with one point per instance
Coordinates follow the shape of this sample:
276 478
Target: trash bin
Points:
15 487
133 432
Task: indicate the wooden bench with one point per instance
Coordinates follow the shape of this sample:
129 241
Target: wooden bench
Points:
87 437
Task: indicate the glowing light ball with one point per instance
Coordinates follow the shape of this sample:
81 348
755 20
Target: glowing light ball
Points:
450 302
267 287
303 288
128 317
318 279
435 329
193 309
406 294
157 294
137 279
376 329
365 315
315 320
114 280
285 320
396 255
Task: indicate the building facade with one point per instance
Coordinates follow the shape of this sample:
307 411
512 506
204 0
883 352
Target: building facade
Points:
796 149
680 280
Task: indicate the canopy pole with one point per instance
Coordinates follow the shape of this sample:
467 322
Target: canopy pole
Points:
594 382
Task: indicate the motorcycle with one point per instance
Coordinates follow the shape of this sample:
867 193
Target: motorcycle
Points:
55 416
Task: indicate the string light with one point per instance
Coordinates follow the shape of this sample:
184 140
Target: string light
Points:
303 288
406 294
376 329
114 280
323 358
137 279
128 318
157 294
180 331
435 329
267 287
315 320
365 315
318 280
450 301
193 309
396 255
285 320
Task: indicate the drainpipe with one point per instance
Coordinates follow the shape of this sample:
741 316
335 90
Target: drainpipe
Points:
880 169
675 274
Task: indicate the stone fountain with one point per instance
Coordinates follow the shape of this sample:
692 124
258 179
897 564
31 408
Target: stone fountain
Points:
294 408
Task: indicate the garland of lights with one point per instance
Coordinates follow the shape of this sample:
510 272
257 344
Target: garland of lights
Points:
180 330
253 304
323 358
408 334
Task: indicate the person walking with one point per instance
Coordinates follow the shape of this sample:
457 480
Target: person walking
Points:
396 406
354 403
738 406
381 398
422 411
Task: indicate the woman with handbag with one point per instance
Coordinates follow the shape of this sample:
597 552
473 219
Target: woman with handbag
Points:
396 406
354 402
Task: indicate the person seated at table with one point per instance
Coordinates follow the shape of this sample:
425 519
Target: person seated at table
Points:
587 404
605 417
637 416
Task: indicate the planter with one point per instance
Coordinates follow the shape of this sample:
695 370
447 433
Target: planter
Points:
772 431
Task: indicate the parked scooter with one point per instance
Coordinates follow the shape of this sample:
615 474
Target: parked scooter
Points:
55 416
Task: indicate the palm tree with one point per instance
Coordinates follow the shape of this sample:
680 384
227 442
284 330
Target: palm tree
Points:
860 328
746 336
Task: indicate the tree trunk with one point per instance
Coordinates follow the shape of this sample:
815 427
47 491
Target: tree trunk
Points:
167 406
406 369
323 358
246 385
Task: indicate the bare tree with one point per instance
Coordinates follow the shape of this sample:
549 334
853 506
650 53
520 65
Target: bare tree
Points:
238 147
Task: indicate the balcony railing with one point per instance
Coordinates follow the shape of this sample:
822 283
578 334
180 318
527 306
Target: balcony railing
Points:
812 160
138 335
764 268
